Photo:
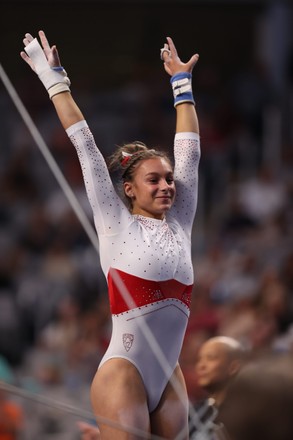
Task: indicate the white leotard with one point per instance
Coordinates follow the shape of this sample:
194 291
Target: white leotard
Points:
152 257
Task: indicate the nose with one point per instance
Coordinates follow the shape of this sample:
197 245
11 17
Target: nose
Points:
164 185
200 366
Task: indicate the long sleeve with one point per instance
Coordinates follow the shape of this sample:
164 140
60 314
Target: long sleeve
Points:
187 156
110 213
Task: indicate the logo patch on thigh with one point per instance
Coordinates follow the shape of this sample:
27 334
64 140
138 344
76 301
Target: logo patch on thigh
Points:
127 340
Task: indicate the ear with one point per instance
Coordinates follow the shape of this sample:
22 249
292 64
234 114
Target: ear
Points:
234 367
128 190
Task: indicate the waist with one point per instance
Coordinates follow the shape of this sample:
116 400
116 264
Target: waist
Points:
127 291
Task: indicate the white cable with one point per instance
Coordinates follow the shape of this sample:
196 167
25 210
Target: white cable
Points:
91 233
50 160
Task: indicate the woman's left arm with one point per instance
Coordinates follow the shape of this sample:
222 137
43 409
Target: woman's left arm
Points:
181 80
186 145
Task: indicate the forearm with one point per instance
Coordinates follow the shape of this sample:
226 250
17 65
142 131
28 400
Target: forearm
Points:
67 109
186 118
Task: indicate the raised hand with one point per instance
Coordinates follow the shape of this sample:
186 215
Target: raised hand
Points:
172 62
44 61
50 53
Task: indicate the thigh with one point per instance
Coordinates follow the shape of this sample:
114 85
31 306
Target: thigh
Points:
170 418
118 394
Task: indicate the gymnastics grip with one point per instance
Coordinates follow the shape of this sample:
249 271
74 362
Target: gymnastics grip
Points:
55 79
182 88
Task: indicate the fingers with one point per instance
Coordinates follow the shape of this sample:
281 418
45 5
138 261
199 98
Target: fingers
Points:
172 47
192 62
27 59
55 57
168 70
28 38
165 52
44 41
24 56
169 50
50 51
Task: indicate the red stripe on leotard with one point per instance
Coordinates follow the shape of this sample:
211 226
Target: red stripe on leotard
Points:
143 292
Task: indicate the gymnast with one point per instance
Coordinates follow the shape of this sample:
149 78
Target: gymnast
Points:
145 251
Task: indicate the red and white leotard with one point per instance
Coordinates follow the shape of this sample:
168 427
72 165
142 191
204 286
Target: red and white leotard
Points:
152 257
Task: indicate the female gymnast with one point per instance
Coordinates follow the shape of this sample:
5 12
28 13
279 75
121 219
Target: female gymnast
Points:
145 242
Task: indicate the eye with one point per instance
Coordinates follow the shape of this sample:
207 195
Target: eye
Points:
170 180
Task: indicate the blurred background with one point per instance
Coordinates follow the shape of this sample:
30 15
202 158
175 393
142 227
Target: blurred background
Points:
54 313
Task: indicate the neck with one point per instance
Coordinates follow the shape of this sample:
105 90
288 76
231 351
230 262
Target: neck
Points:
147 214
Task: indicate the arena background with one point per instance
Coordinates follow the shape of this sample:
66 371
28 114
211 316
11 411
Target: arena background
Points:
54 318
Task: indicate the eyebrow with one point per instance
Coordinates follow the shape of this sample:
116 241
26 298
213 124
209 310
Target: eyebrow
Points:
154 173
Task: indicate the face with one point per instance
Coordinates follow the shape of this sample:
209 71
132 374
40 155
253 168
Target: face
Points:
214 366
152 190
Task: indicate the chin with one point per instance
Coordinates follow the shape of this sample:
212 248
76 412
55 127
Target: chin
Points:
166 208
204 384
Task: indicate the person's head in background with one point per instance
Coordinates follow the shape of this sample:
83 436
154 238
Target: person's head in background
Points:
219 361
259 402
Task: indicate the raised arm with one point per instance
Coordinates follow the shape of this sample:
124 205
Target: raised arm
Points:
186 142
45 62
186 117
110 214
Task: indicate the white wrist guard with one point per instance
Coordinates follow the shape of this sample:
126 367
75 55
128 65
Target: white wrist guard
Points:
55 79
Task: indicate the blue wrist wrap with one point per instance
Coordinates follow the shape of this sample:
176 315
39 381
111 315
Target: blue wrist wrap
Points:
182 88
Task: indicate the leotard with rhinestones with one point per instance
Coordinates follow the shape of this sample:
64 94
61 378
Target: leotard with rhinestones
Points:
147 262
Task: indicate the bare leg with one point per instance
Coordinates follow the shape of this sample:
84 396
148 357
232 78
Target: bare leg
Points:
170 418
118 394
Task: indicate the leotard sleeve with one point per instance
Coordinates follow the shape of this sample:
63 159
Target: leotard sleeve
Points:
186 155
110 213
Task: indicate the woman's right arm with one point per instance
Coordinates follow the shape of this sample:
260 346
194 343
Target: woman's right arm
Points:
109 211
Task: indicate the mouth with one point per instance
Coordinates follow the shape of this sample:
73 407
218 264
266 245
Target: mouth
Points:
202 376
165 200
164 197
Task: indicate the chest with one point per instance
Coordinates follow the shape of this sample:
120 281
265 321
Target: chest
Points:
148 250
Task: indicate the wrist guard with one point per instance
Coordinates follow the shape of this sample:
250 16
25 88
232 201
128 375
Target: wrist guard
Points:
182 88
55 79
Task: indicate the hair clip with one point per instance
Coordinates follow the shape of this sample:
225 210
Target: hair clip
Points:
126 157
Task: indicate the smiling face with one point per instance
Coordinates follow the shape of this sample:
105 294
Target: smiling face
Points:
152 190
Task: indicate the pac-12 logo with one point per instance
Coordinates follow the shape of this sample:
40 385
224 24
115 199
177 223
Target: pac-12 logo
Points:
127 340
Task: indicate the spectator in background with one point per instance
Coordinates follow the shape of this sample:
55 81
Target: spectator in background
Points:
219 361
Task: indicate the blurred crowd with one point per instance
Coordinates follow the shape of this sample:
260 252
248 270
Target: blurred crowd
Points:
54 313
